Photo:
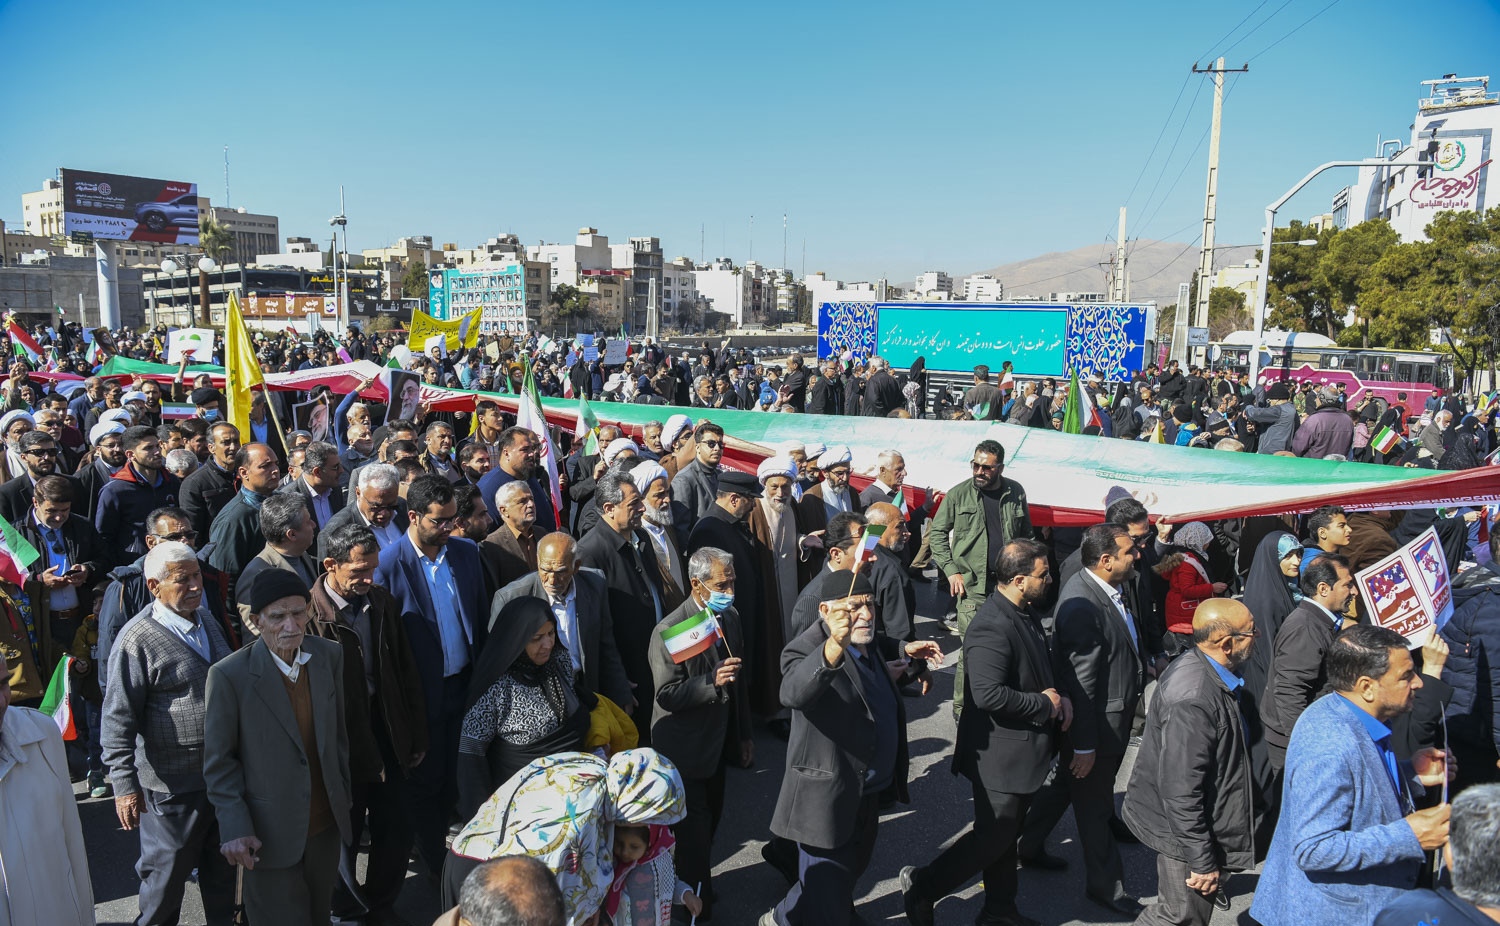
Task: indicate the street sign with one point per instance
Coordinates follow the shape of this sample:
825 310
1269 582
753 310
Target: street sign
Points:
1197 337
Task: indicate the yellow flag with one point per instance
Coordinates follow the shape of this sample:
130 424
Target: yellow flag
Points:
241 368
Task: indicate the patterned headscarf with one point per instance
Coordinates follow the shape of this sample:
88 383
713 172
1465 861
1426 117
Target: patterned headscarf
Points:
562 810
1195 535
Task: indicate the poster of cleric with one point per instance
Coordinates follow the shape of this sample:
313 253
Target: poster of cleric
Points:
1410 590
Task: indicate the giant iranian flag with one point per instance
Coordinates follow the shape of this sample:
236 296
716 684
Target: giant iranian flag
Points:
1066 476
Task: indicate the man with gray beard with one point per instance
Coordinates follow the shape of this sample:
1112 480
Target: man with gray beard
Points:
773 524
659 523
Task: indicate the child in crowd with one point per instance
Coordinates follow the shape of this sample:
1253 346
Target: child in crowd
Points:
645 885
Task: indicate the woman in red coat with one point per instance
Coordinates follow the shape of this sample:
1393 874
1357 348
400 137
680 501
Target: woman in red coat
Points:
1185 567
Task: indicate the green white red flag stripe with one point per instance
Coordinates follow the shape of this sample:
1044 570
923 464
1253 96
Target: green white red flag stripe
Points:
23 344
868 541
1386 440
689 638
57 703
15 554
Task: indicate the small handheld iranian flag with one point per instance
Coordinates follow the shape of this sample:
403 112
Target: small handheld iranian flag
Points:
57 702
868 542
1386 440
587 428
696 635
15 554
22 343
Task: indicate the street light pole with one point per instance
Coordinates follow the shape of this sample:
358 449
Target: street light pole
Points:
1265 244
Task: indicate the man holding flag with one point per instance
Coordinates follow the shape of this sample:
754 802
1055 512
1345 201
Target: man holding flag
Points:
701 719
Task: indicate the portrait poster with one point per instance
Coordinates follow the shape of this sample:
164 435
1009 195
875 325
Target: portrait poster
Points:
313 417
406 393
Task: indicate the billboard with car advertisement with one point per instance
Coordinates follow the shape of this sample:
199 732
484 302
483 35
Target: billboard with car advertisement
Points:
122 208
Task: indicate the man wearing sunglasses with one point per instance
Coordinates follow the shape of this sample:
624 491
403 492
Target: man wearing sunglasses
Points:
696 485
438 579
39 451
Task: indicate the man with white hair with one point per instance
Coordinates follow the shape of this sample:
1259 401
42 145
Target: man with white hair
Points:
882 392
182 462
831 497
509 552
152 735
376 504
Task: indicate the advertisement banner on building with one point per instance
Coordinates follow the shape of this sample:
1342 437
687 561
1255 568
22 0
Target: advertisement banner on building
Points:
1456 178
364 311
460 332
123 208
437 293
290 306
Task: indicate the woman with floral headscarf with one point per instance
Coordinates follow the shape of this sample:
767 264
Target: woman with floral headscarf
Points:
1185 567
563 810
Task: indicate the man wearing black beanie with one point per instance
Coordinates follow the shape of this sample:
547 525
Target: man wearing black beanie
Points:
276 756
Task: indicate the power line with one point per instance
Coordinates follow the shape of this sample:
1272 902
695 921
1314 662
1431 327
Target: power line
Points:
1192 244
1228 91
1258 27
1209 55
1295 30
1163 131
1171 152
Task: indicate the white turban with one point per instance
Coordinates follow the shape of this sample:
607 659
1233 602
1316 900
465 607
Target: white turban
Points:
814 449
103 429
646 473
834 456
776 466
787 448
617 446
114 414
673 429
15 415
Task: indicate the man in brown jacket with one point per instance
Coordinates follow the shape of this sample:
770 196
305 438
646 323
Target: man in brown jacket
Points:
385 716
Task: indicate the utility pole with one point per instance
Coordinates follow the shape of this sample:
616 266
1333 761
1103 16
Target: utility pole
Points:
1211 196
783 240
1117 279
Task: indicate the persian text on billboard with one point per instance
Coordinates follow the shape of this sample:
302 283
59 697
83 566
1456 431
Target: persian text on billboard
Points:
123 208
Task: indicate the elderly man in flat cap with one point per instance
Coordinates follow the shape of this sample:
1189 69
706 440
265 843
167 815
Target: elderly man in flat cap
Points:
276 757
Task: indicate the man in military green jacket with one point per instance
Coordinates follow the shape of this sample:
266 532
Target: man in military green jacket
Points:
977 518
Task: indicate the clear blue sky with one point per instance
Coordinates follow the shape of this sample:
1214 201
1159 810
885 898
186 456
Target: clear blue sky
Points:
898 137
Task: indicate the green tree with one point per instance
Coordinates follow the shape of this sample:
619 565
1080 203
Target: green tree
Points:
1226 312
1296 298
414 281
217 241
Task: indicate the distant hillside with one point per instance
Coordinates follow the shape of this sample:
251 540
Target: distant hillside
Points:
1156 268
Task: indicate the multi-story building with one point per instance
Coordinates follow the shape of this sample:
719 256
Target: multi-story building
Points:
500 247
590 251
643 258
254 233
175 298
983 287
679 295
606 295
726 288
934 284
1454 135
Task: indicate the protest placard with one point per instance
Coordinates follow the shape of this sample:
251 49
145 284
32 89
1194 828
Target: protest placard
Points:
1409 591
197 343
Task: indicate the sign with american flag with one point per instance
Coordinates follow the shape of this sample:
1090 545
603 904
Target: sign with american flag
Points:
1409 590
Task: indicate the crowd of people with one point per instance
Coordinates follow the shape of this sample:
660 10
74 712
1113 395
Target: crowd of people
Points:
284 653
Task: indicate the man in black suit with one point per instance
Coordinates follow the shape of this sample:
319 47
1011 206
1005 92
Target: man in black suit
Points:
580 600
319 482
509 551
848 744
377 504
212 485
1133 516
895 597
701 720
39 451
618 548
1099 651
882 393
724 528
794 386
1005 744
1297 675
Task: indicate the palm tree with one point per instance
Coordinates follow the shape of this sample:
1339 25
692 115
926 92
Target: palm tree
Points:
217 241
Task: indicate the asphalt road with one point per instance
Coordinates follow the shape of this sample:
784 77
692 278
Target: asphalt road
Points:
940 811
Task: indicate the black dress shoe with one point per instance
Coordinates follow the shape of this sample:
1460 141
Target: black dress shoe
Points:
1042 860
1123 904
918 906
1122 832
784 865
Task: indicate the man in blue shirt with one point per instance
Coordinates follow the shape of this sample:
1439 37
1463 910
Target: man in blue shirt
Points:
438 579
1350 841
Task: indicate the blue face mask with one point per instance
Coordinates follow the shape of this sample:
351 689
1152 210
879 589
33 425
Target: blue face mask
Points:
210 414
719 602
